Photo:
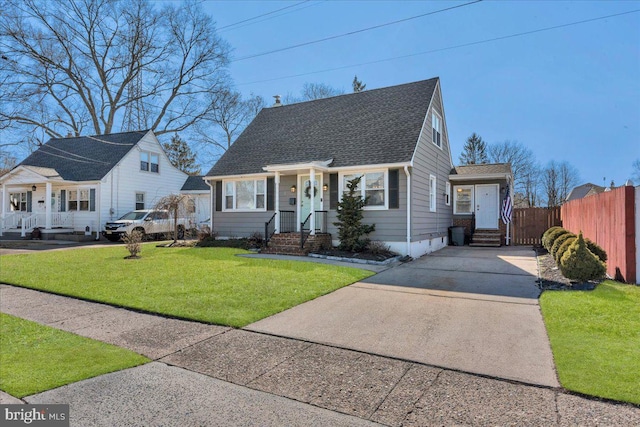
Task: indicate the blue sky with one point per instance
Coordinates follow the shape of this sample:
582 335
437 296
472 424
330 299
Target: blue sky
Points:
571 93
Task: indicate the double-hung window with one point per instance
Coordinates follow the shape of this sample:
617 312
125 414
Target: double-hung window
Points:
245 194
463 199
149 162
373 186
432 193
139 201
83 199
18 201
436 125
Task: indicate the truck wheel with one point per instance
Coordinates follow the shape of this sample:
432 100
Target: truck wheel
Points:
180 232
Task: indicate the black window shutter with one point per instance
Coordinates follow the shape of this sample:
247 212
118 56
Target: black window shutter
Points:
218 196
29 201
394 188
333 191
63 201
271 198
92 199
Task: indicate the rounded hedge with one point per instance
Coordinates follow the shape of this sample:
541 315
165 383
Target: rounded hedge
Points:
559 241
563 247
545 235
578 263
596 250
551 238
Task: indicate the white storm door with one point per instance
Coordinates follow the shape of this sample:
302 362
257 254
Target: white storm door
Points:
487 206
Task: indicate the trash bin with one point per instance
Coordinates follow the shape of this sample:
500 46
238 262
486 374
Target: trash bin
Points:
457 235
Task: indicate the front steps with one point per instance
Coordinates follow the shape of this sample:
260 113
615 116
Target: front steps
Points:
486 238
289 244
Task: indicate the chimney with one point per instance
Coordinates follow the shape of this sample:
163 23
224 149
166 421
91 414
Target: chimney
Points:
277 103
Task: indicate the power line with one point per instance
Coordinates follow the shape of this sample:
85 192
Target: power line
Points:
273 17
393 58
350 33
260 16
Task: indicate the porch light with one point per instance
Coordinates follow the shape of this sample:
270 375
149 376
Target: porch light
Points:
325 187
293 188
33 188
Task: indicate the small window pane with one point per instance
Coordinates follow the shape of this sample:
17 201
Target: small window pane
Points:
139 201
346 180
144 161
260 201
463 200
260 187
375 197
228 204
155 163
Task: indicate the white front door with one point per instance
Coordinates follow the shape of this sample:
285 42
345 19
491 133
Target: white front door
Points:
487 206
309 195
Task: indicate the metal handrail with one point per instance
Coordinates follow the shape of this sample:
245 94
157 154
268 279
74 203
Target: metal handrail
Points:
267 232
321 218
303 235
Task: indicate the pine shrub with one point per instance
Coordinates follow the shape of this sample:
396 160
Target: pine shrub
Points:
558 242
563 247
351 230
553 236
596 250
545 236
578 263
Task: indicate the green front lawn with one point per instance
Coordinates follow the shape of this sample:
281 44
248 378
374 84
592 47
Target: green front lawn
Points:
206 284
595 338
35 358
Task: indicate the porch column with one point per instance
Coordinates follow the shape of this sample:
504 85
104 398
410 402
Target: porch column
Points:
47 206
312 178
276 202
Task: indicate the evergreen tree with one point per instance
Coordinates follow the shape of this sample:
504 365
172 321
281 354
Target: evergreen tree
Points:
474 151
181 155
357 85
350 227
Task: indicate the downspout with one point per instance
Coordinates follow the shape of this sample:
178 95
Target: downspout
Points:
406 172
211 207
98 209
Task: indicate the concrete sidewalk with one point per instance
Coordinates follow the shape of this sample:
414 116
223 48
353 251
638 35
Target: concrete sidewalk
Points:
280 381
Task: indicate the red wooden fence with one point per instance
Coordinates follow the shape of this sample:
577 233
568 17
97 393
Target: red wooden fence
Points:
607 219
530 223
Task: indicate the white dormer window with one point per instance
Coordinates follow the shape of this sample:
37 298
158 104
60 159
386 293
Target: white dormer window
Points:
436 125
149 162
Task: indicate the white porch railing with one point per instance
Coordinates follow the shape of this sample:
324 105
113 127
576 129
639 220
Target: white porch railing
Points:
29 223
62 219
9 220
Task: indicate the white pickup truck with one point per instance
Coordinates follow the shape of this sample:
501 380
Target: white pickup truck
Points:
149 222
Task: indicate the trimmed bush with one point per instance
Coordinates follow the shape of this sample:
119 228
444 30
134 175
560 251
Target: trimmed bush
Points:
596 250
559 241
545 235
578 263
552 236
563 247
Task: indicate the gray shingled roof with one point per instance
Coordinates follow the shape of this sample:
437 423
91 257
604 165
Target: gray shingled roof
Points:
194 183
372 127
85 158
582 190
487 168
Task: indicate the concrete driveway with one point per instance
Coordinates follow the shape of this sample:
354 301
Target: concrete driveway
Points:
469 309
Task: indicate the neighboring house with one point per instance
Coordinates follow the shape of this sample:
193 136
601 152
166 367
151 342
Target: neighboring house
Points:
77 184
200 202
478 192
584 190
289 167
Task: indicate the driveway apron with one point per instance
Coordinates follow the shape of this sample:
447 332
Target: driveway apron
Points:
469 309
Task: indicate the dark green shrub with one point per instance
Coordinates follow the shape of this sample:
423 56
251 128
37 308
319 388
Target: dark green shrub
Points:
211 242
578 263
545 236
563 247
596 250
558 242
351 230
551 238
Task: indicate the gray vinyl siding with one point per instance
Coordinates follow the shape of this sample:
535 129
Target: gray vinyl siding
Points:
501 182
428 160
391 224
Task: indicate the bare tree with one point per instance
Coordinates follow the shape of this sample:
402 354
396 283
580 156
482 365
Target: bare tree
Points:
178 206
311 91
526 172
635 172
70 65
7 162
227 120
558 178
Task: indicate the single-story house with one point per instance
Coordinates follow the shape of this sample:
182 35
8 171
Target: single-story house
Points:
77 184
584 190
286 172
478 193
